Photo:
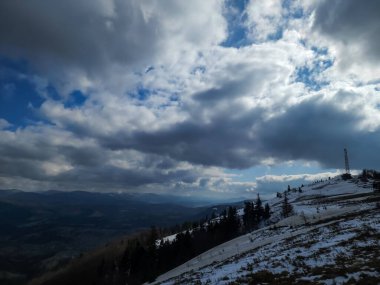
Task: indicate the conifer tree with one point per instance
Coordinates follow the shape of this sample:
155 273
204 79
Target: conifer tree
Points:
287 208
248 216
259 207
233 221
266 211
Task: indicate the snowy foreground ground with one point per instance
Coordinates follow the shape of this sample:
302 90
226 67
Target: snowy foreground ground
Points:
334 238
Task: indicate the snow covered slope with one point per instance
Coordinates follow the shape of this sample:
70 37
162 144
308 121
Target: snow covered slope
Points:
333 238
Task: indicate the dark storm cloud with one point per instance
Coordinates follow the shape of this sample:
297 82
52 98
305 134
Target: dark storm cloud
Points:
77 35
249 80
74 33
118 177
10 167
86 156
89 165
224 142
313 130
351 22
66 38
39 148
249 108
318 130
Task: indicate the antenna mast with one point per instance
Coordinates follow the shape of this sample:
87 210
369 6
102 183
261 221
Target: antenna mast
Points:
346 161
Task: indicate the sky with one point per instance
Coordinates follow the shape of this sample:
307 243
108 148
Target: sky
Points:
216 98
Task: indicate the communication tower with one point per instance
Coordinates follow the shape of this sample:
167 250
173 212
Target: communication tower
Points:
346 175
346 161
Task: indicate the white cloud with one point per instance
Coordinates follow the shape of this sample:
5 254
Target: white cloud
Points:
4 124
297 177
264 18
350 30
77 45
201 106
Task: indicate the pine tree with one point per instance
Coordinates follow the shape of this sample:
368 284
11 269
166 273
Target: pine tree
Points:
233 221
152 238
248 216
259 208
287 208
266 211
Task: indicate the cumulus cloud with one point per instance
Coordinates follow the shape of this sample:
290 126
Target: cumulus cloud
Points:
66 162
74 41
4 124
352 23
296 177
264 18
104 32
317 130
168 107
351 29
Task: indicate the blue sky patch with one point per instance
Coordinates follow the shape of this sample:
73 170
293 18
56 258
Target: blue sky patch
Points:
277 35
237 31
18 95
320 50
297 13
141 94
308 74
76 99
198 70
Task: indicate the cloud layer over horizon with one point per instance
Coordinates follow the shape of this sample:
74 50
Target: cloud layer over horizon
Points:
176 96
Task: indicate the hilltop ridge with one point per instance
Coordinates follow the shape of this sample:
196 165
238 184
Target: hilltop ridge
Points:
332 238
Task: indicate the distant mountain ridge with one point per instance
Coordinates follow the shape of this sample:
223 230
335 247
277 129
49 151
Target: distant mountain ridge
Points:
41 230
150 198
